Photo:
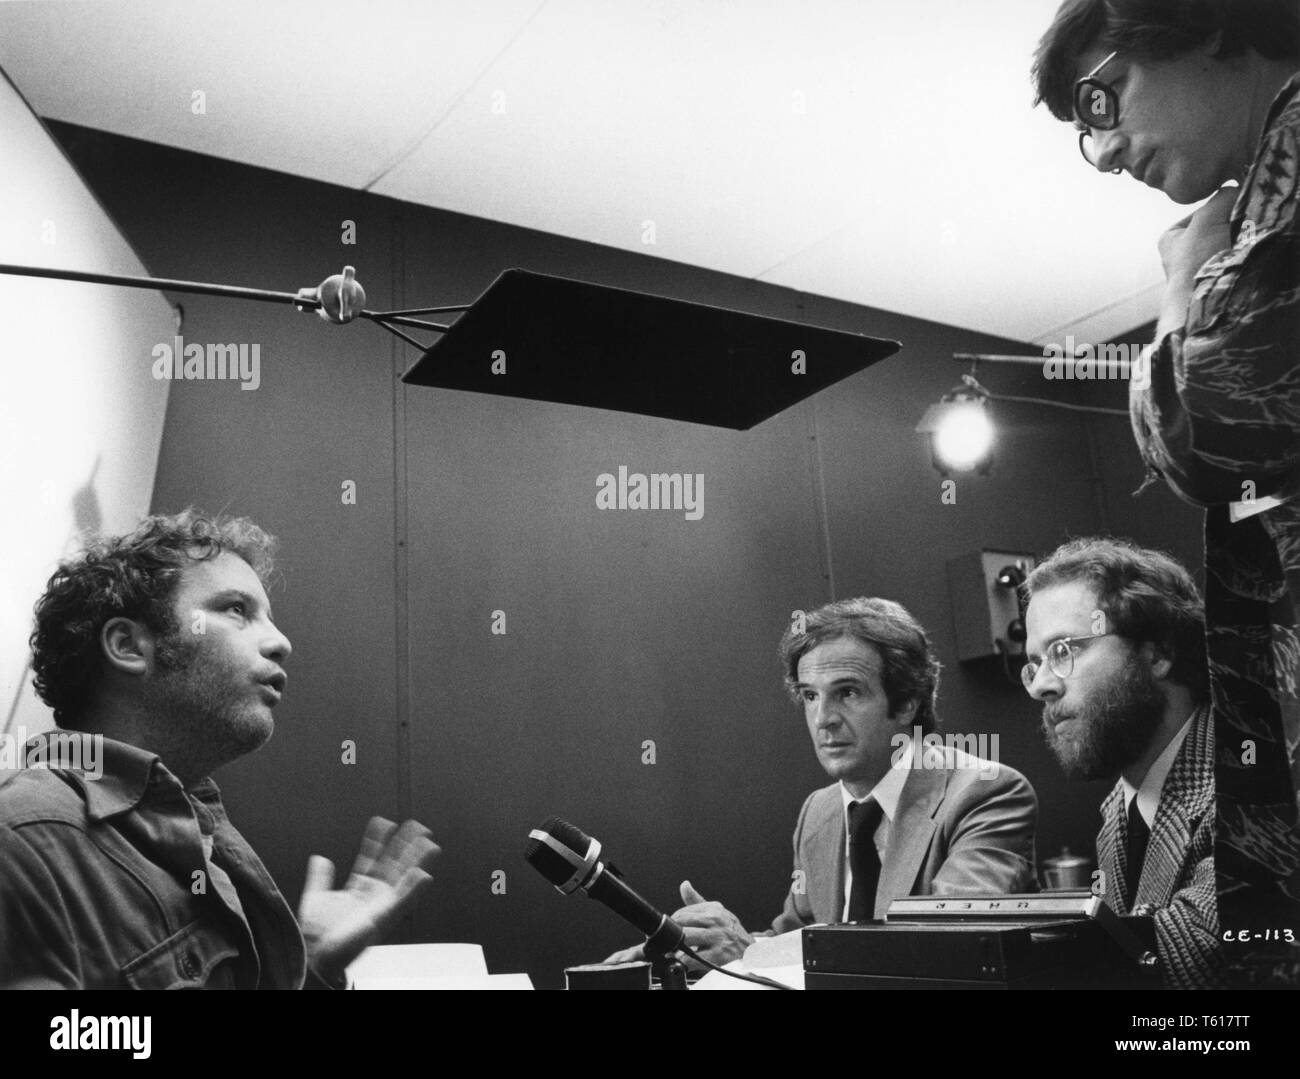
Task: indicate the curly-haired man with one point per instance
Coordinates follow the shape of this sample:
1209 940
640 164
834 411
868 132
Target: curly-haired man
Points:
160 646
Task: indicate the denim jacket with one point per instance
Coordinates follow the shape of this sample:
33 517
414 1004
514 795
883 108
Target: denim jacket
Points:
105 883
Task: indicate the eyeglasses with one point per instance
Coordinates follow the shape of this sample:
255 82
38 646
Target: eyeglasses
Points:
1060 657
1096 106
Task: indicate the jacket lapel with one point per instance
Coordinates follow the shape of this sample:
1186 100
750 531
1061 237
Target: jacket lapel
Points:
910 834
1111 840
824 845
1187 795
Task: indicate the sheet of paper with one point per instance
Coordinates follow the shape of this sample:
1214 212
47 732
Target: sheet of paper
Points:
404 962
465 981
790 975
779 958
783 951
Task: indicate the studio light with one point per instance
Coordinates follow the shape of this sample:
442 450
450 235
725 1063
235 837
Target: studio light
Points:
960 430
960 427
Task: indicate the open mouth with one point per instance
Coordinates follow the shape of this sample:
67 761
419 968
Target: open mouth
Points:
273 687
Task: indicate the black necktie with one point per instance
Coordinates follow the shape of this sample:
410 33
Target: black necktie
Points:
1138 834
864 862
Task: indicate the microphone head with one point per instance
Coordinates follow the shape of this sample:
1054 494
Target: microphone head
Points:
340 296
563 854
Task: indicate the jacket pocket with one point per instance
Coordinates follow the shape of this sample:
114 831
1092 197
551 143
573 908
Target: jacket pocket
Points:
188 959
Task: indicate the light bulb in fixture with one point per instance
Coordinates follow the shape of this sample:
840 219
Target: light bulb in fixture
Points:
961 432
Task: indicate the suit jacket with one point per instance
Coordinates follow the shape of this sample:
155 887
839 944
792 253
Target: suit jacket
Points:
1177 885
963 824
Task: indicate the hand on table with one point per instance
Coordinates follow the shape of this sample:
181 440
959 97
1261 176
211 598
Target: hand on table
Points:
391 868
711 930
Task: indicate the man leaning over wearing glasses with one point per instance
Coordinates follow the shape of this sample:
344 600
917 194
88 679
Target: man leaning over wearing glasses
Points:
1186 97
1116 654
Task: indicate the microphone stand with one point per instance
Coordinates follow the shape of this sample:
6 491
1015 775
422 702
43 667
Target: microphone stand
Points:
665 966
337 299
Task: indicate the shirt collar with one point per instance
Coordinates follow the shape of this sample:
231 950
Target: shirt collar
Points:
1148 794
123 775
1283 99
890 787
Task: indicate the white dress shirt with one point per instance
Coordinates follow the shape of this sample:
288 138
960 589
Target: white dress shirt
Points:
886 793
1148 794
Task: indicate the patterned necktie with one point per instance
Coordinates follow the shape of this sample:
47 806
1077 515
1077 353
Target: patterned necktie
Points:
864 862
1138 834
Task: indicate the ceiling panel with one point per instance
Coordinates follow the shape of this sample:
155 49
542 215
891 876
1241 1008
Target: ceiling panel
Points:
332 91
881 153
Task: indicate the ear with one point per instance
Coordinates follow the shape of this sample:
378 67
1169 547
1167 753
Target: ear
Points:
1211 45
904 716
1160 662
128 646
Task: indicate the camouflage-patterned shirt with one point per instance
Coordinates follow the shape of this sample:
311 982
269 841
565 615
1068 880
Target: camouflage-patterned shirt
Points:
1219 419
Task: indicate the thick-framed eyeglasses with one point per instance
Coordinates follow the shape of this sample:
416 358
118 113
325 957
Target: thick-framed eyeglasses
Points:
1096 107
1059 657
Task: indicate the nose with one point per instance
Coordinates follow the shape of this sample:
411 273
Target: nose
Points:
826 713
1106 149
275 645
1046 686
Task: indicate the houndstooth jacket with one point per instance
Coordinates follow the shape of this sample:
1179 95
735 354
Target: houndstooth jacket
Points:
1177 884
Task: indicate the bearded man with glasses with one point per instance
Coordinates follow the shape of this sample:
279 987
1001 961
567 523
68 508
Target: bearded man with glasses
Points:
1116 654
1188 98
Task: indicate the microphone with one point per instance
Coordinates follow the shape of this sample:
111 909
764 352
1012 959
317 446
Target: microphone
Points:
570 859
341 297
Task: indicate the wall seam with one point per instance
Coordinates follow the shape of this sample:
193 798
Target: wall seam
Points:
817 466
401 561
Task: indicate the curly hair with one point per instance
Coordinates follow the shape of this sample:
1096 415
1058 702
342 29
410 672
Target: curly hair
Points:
1156 30
132 576
910 670
1145 594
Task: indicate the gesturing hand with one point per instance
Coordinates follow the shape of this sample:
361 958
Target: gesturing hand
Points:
339 924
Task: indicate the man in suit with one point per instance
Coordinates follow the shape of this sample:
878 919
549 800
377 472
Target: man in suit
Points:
1116 652
906 814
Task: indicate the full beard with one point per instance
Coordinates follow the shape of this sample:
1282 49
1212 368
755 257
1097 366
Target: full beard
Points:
1109 732
201 704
